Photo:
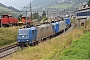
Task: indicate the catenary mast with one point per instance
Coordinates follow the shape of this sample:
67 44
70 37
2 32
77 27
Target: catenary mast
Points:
30 10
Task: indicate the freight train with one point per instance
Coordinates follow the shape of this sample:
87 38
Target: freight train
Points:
35 34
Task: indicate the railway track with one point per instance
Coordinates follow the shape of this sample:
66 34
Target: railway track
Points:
8 50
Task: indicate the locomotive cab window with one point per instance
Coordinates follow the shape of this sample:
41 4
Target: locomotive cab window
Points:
5 16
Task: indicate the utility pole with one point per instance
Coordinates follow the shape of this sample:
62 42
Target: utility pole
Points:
26 17
47 16
31 10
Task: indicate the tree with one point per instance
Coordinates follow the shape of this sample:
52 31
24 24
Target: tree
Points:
20 17
44 14
35 16
88 2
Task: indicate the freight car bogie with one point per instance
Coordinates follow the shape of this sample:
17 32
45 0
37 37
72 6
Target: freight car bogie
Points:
68 26
50 36
23 44
33 43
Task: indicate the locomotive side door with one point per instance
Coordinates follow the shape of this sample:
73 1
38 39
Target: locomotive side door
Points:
33 35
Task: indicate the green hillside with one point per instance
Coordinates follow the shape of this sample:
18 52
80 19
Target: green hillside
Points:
4 10
63 6
56 2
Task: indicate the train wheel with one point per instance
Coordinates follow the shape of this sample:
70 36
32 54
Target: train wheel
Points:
22 46
42 40
26 44
34 43
31 44
37 42
7 25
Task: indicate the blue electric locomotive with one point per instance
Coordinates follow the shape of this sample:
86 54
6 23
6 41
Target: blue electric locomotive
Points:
67 20
57 27
27 35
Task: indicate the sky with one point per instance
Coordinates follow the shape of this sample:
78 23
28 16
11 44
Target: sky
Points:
15 3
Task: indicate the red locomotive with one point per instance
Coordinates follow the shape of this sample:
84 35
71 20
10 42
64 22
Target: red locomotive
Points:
25 20
13 21
8 20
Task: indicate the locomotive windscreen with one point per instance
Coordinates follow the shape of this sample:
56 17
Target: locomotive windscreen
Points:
23 32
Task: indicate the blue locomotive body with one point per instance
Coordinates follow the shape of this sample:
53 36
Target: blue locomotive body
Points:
23 35
57 27
33 34
27 35
53 27
67 20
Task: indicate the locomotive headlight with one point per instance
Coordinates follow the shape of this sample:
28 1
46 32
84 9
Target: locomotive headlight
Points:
22 36
27 40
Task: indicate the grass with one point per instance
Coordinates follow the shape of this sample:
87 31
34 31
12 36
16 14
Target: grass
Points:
8 36
79 49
